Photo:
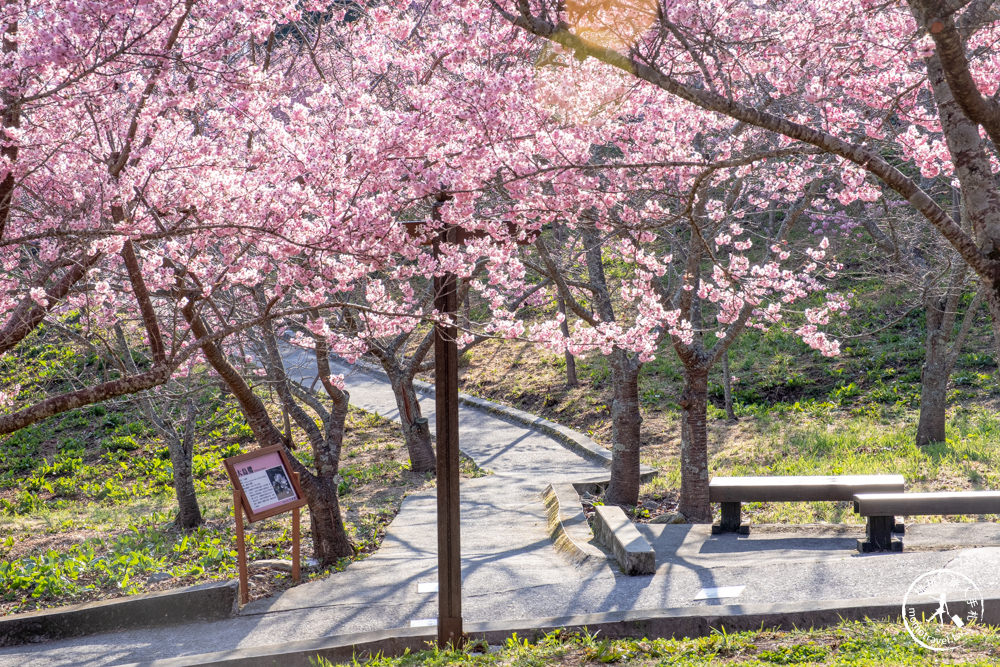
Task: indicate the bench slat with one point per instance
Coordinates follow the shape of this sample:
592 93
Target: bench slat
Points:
919 504
794 488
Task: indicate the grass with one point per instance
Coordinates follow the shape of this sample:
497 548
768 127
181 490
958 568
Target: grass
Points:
847 644
90 523
87 503
809 442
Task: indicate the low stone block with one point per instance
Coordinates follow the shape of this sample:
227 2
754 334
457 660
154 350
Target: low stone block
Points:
204 602
669 518
614 530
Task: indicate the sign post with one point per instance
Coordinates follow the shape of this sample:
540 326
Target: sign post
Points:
263 486
446 411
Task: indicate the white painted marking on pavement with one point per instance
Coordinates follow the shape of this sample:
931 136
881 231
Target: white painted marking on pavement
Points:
720 592
423 622
427 587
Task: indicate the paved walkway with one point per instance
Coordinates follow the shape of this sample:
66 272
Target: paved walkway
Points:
511 571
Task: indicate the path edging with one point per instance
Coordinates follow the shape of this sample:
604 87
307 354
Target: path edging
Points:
613 529
678 622
568 527
203 602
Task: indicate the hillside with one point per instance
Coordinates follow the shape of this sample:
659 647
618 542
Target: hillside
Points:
798 412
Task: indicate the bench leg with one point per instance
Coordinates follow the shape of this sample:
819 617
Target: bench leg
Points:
730 522
879 535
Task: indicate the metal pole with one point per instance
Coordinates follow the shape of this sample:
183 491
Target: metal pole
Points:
241 548
446 401
296 557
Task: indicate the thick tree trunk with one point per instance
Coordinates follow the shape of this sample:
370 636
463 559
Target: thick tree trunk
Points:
934 374
330 541
188 512
625 424
941 350
694 446
181 455
933 387
415 430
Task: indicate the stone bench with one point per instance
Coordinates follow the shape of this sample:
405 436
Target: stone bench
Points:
614 530
881 510
732 491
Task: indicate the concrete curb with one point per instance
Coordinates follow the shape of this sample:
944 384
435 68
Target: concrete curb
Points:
616 532
204 602
568 526
567 437
681 622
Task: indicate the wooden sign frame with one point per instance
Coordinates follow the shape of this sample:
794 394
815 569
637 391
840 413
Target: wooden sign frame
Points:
282 477
283 481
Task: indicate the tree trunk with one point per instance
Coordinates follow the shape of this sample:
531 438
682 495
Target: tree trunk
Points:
694 446
727 387
933 387
414 426
993 303
571 380
625 423
330 541
181 454
934 374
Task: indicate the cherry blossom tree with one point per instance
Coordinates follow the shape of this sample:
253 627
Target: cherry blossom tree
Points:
634 196
85 128
166 160
137 178
708 270
921 95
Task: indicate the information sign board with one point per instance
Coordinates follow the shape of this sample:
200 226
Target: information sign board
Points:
264 479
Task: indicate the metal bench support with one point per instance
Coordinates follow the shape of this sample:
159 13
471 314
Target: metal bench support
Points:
879 535
730 522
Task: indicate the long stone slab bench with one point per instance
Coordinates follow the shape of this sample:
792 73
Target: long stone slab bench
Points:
881 510
614 530
730 492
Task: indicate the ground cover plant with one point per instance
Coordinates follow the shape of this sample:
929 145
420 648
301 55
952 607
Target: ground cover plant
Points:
847 644
87 509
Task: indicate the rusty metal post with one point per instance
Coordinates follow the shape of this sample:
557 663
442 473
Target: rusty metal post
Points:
446 402
241 548
296 555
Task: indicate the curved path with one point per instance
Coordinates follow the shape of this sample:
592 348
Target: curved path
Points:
510 568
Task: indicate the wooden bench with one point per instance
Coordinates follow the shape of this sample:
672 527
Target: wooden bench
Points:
881 510
731 491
